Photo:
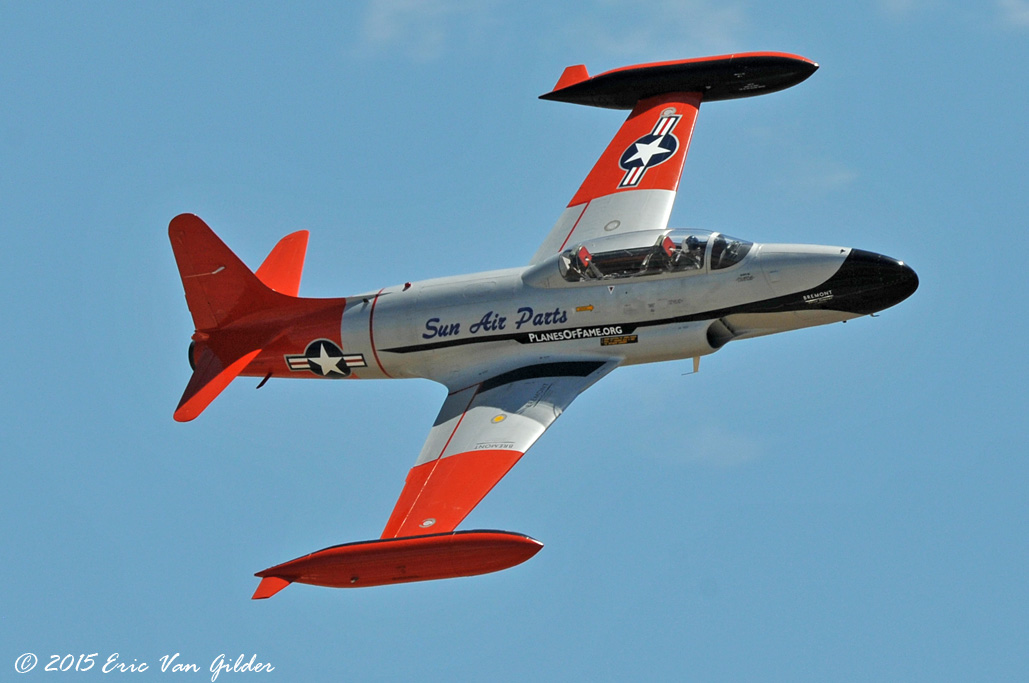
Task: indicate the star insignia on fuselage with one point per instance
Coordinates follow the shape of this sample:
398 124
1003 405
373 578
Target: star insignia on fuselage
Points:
322 357
326 359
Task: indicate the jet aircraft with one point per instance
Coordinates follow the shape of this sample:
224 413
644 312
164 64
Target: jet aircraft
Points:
611 285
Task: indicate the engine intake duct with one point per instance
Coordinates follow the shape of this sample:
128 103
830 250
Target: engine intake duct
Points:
720 333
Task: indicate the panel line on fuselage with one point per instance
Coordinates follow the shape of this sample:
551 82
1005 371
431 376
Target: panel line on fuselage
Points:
371 333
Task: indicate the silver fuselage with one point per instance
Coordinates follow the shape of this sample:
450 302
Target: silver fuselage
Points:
456 329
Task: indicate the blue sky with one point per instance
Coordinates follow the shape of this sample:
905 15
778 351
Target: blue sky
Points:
842 503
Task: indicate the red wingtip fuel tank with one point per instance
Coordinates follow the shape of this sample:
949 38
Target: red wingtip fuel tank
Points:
401 560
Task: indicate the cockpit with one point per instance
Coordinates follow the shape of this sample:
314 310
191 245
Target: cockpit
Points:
650 252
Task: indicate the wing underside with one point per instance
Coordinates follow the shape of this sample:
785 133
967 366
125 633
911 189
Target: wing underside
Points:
480 433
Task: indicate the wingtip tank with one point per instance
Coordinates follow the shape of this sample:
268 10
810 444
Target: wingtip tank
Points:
723 77
401 560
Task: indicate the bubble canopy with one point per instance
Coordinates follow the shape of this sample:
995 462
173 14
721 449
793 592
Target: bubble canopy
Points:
646 253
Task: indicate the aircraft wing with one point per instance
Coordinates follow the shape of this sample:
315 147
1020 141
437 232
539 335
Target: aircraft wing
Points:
478 436
633 185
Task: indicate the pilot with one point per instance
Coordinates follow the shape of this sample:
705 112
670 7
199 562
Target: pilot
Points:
692 253
689 256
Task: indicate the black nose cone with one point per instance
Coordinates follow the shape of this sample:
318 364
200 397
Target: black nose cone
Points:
868 282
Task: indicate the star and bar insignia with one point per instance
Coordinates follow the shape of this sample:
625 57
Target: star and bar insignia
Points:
650 150
325 359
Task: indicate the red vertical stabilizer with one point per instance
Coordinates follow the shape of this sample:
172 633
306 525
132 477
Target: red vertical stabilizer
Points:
237 313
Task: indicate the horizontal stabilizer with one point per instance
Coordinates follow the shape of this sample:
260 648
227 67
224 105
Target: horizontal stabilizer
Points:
209 379
715 78
402 560
219 287
282 269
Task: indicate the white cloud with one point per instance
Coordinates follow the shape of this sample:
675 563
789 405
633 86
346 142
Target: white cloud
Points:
421 29
1014 13
425 30
624 27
